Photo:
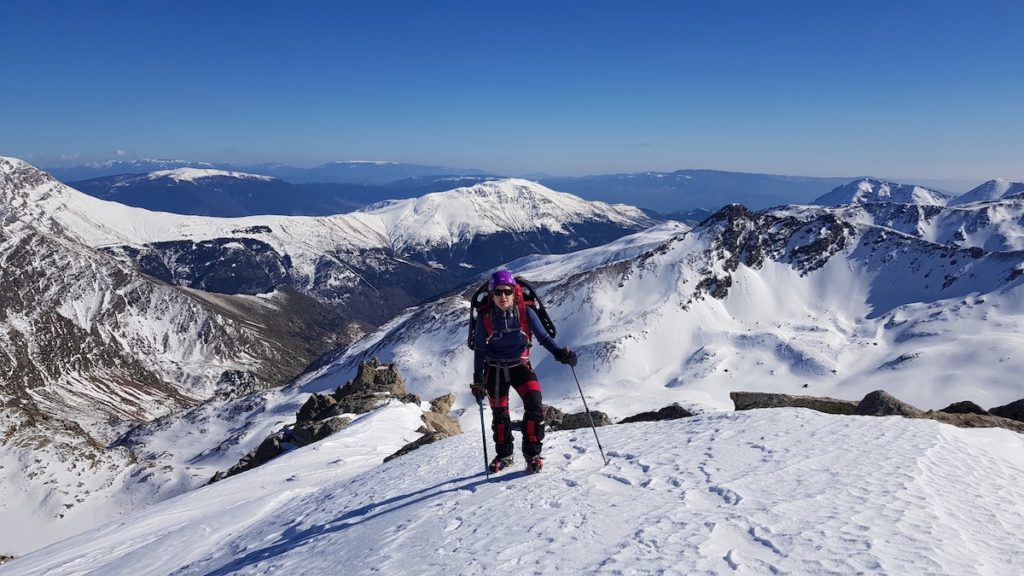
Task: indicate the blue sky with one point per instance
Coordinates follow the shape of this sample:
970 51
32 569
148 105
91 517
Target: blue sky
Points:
893 89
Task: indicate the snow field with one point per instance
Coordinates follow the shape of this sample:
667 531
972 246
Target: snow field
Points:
772 491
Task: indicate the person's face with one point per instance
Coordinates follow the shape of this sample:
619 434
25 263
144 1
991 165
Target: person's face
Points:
503 297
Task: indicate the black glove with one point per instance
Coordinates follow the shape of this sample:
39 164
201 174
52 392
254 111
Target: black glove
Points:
566 356
478 389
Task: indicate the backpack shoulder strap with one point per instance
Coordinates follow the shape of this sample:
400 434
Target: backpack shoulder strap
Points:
524 321
479 304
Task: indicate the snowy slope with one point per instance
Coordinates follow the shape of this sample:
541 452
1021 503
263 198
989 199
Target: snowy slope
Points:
778 491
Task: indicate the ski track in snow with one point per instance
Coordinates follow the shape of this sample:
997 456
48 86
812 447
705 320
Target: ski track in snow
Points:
783 491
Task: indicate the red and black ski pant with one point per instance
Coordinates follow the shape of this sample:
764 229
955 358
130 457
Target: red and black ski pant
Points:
498 380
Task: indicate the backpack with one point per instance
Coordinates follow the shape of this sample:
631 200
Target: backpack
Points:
480 305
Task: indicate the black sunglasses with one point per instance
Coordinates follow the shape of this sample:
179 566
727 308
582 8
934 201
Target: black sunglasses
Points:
503 291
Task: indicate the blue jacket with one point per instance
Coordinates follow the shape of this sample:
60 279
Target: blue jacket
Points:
507 340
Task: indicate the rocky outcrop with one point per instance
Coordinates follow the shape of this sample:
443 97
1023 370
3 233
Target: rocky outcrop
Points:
310 432
975 421
558 420
880 403
753 400
267 451
374 384
321 415
437 425
1013 410
672 412
965 407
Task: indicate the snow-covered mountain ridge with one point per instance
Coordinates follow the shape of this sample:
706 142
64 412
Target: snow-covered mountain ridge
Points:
988 217
997 189
393 254
508 205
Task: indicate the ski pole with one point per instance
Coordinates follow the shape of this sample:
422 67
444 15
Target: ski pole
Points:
592 427
483 435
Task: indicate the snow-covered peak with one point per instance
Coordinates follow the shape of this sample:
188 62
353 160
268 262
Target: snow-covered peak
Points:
509 205
9 165
194 174
870 190
997 189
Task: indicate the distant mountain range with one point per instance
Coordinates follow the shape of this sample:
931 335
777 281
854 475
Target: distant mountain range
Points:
688 189
343 186
336 172
214 192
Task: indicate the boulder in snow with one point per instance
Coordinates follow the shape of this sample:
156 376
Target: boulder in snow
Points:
752 400
671 412
558 420
881 403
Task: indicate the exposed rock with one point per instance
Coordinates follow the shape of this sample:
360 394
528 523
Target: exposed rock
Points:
270 448
558 420
438 422
753 400
309 432
672 412
881 403
443 404
1013 410
315 408
321 415
437 425
971 420
965 407
373 385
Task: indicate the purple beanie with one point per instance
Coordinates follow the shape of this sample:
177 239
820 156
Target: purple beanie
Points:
501 278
